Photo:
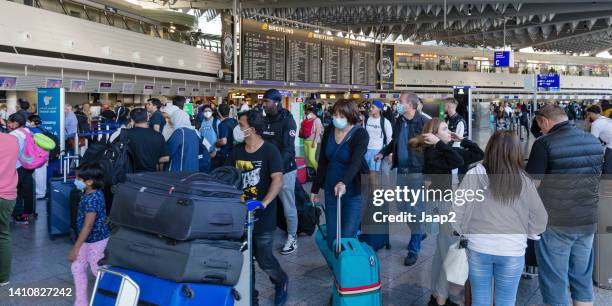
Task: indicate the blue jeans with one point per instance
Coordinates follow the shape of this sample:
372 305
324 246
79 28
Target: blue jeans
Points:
565 259
413 181
369 157
263 246
505 271
350 213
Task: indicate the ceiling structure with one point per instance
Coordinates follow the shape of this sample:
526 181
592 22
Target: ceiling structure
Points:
563 25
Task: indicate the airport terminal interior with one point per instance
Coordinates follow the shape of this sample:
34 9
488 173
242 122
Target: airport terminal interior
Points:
206 125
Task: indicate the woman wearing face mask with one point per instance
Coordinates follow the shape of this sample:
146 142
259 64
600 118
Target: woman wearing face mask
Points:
313 140
440 158
341 160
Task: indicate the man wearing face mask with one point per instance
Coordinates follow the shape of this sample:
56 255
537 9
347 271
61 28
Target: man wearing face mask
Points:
409 165
567 163
209 128
261 168
280 130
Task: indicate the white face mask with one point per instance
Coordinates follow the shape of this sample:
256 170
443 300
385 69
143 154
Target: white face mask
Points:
207 114
239 135
310 116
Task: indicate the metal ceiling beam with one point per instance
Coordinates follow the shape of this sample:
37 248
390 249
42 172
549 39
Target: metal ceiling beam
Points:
572 36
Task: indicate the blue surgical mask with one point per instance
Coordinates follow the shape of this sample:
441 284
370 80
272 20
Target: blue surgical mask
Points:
339 123
79 184
400 109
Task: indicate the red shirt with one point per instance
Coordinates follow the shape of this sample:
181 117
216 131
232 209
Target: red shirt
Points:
8 162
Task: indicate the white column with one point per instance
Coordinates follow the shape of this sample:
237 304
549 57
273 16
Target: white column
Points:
11 101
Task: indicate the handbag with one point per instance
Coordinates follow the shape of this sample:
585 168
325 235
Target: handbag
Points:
456 262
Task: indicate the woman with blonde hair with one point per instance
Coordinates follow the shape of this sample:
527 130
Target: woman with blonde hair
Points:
440 158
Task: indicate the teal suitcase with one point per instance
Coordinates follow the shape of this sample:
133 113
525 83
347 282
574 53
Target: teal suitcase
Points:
355 267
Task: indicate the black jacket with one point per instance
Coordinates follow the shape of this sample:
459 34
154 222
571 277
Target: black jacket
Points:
569 162
442 158
418 122
281 130
358 144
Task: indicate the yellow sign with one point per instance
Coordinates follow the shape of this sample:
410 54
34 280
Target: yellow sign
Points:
264 26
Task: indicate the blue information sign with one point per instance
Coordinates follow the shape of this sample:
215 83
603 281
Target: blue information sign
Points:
50 108
501 58
548 81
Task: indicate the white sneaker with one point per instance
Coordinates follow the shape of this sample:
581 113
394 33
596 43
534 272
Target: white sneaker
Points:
290 246
4 284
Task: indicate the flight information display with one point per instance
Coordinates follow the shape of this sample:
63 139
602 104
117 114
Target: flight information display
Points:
303 61
279 55
263 56
336 64
364 67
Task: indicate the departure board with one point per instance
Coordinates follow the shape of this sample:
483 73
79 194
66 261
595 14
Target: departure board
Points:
263 56
364 66
303 61
278 55
336 64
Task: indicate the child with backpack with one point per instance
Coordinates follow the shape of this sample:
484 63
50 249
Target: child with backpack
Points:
311 129
92 228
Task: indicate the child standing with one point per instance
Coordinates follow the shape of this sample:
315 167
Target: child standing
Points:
92 228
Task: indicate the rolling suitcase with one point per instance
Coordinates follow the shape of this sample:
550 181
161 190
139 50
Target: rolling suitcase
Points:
196 261
181 206
117 286
356 270
58 203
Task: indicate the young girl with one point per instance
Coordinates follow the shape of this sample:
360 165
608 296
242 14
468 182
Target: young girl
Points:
93 231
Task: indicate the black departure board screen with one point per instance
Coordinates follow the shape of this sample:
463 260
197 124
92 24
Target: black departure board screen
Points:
278 55
303 61
336 64
263 56
364 66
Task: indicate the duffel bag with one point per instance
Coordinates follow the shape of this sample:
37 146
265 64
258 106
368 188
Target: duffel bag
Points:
182 208
196 261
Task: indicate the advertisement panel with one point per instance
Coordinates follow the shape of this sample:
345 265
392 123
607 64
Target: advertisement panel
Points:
50 108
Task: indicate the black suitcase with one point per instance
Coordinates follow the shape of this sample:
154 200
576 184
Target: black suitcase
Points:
180 206
196 261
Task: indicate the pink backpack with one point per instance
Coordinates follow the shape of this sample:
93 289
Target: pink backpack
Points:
33 156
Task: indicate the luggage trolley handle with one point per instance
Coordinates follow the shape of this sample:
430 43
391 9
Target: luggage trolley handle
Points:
338 225
128 293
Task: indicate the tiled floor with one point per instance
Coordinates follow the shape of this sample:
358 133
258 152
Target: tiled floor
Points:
39 262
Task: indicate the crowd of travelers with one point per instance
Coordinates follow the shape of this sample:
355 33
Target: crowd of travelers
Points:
551 199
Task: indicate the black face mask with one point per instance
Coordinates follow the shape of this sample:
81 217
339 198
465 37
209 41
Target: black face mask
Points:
271 111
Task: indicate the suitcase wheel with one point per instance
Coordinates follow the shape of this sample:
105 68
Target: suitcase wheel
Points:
187 292
236 295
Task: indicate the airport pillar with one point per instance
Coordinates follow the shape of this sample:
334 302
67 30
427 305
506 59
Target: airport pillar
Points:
11 101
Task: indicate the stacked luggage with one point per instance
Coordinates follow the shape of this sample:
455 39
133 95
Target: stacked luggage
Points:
179 238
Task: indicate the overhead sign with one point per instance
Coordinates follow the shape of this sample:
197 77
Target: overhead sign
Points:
503 59
165 90
148 89
128 88
50 108
105 86
8 83
195 91
548 81
181 91
77 85
53 83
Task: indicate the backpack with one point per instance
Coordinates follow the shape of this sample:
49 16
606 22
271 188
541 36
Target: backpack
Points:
308 214
114 159
306 128
32 156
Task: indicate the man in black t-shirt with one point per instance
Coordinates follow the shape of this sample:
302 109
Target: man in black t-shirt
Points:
148 147
262 178
156 121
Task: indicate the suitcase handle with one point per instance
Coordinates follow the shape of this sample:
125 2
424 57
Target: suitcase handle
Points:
142 249
214 278
222 219
216 264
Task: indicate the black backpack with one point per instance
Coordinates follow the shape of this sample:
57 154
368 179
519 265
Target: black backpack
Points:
114 158
308 214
